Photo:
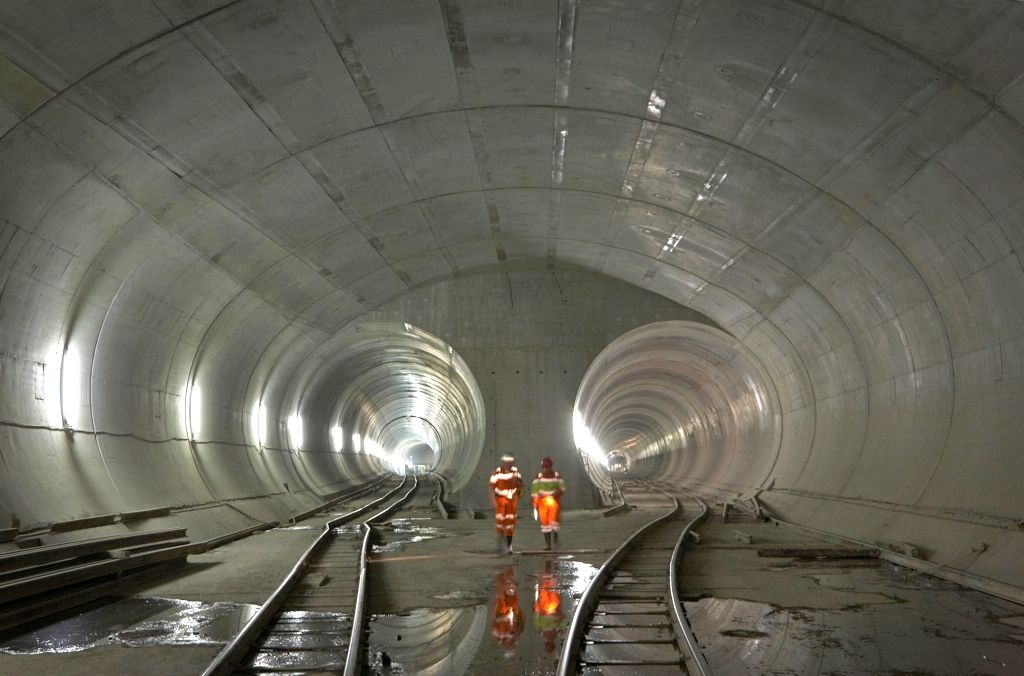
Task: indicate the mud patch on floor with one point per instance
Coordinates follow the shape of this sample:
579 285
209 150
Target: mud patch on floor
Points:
402 532
743 633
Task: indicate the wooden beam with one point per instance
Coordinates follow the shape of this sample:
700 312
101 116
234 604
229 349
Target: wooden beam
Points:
70 550
16 615
79 524
45 582
818 552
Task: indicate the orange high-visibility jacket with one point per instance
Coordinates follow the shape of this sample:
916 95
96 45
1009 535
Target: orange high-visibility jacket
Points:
507 485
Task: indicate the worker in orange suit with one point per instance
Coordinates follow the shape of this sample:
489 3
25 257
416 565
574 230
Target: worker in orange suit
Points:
508 621
548 616
546 492
506 487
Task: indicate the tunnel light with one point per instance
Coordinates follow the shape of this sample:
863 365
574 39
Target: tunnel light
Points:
70 387
259 424
337 438
585 441
295 431
387 458
656 103
357 443
51 386
194 421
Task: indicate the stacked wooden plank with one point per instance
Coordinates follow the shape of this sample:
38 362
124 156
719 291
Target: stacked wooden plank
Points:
46 579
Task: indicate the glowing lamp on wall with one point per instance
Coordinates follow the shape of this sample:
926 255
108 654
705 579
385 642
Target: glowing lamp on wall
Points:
194 421
259 425
70 387
337 438
295 431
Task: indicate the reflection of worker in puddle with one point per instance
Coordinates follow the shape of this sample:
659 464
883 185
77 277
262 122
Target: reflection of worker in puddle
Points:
508 616
548 616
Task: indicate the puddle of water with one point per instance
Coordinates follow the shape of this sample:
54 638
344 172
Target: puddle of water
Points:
574 576
519 631
457 595
136 621
426 641
404 533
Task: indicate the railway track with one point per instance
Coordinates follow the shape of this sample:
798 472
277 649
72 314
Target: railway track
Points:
630 619
313 622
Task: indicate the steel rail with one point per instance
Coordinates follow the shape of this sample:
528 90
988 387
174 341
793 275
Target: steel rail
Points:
354 654
589 600
621 506
438 498
359 492
228 658
678 612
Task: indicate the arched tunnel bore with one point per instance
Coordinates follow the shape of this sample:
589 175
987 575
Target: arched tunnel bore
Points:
682 402
196 196
394 396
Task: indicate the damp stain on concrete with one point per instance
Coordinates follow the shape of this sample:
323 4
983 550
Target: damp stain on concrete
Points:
919 636
402 532
135 621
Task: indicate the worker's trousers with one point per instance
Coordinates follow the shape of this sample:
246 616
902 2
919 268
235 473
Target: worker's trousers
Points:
548 508
505 515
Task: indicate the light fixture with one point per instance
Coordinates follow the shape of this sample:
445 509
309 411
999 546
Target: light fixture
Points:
259 424
295 431
194 420
70 387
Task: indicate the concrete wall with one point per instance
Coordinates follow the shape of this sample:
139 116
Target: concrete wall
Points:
529 336
204 193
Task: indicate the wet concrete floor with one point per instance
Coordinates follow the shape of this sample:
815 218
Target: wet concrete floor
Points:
760 615
443 601
427 574
135 621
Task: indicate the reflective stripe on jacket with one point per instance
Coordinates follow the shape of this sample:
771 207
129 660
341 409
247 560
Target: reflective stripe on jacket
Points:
544 486
508 484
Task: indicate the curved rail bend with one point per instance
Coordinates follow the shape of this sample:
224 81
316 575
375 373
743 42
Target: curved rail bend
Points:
567 662
354 656
232 654
678 612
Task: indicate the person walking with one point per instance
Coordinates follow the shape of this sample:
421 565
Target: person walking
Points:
546 492
506 487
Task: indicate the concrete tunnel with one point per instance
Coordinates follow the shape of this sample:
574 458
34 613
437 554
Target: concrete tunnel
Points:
254 252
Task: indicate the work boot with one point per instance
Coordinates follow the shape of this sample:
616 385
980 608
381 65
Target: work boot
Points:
502 548
508 542
554 536
547 541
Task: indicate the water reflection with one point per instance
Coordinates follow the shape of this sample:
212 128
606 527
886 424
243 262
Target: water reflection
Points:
548 615
136 621
426 641
507 625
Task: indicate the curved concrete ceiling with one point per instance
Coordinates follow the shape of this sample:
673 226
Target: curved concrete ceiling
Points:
202 187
